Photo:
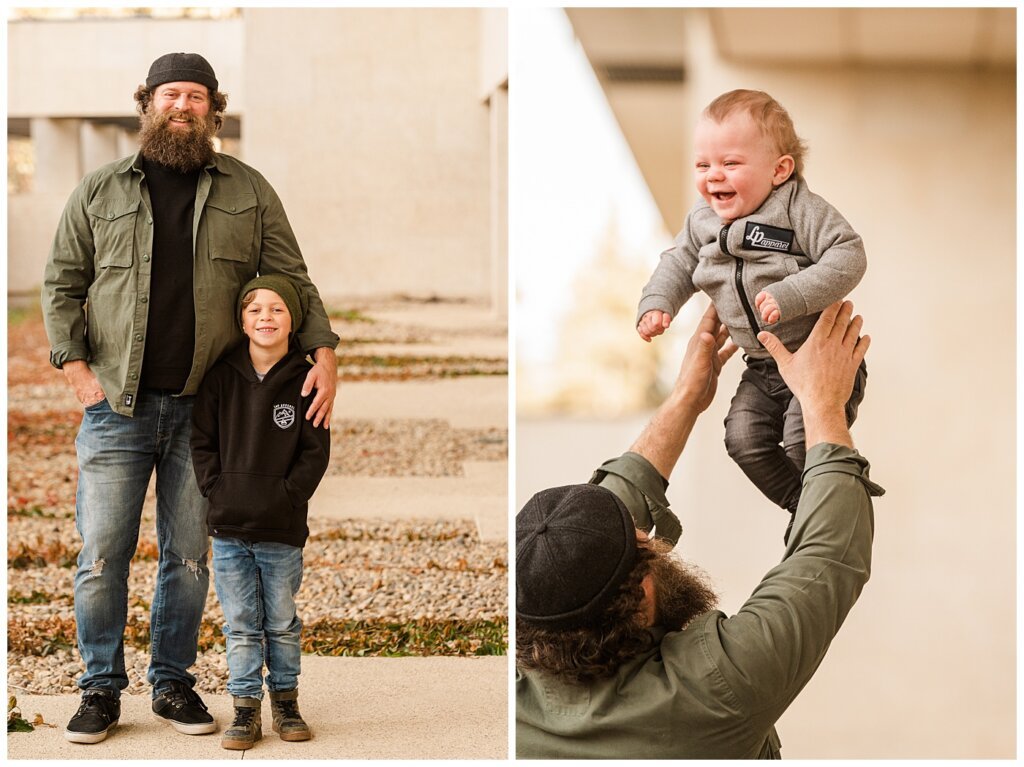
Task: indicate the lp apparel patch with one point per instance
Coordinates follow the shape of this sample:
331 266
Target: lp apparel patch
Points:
284 415
764 237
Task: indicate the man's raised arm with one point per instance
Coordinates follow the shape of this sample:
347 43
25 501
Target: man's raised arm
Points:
640 476
663 439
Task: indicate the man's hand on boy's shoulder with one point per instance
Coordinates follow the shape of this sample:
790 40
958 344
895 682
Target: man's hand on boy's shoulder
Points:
323 378
653 323
769 309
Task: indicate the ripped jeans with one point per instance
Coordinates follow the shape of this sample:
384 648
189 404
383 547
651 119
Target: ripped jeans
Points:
116 459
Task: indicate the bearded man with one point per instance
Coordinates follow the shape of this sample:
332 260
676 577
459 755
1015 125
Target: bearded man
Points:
620 653
139 301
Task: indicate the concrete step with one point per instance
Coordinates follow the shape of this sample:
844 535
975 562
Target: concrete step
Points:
476 402
481 494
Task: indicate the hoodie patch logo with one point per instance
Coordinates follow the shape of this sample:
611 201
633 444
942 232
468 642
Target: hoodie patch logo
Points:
284 415
764 237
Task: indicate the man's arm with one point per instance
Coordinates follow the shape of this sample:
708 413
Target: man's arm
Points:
663 439
279 252
69 273
639 477
768 651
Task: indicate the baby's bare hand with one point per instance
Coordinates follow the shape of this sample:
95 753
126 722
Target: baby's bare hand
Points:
653 323
765 304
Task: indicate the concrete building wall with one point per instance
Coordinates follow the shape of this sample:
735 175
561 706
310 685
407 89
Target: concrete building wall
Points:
376 129
373 131
91 67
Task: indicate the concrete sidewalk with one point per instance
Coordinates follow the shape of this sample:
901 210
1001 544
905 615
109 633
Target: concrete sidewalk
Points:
481 495
358 708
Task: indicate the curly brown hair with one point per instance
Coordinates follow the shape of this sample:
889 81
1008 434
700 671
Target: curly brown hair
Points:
596 651
218 103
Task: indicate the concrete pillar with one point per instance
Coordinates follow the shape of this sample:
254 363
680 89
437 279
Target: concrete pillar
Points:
127 143
499 201
99 145
58 167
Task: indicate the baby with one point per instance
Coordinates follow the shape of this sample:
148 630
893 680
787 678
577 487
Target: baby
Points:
771 254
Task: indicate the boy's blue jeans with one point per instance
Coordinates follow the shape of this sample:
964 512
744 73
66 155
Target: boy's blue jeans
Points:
116 458
256 584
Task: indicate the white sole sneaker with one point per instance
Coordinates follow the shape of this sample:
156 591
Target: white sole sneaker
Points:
88 737
202 728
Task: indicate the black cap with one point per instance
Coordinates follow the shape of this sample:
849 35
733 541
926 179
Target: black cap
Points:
575 545
183 67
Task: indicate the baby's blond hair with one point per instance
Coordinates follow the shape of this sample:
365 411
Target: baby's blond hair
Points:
768 114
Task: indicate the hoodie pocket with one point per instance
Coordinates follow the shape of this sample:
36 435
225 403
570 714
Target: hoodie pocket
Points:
251 502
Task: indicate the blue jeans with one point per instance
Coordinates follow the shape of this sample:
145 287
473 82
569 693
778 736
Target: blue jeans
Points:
116 459
256 584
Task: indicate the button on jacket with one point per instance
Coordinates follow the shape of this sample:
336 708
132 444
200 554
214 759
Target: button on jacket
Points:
96 286
716 689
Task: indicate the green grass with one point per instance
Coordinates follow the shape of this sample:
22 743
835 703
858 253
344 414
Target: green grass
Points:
15 316
349 315
353 638
35 598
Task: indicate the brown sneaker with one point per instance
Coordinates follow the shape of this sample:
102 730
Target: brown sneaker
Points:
246 729
287 719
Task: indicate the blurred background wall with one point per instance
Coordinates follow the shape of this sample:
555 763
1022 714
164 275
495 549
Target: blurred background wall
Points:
910 117
384 131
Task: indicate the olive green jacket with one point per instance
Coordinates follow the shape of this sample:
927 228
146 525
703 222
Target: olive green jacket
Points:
97 281
716 688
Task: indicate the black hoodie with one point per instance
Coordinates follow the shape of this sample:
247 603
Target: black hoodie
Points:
257 459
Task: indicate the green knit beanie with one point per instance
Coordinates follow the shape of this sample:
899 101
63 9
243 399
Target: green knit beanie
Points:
293 298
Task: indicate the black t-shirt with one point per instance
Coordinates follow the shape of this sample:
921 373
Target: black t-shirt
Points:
170 338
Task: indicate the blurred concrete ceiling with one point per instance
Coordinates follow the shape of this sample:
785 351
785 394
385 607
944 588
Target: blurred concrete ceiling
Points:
982 37
639 56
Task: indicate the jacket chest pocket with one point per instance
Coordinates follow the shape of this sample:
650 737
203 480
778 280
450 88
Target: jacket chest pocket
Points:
113 230
231 227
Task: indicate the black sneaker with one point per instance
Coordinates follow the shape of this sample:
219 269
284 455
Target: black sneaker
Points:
97 716
179 705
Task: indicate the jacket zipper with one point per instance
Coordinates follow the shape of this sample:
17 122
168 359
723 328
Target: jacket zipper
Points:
723 244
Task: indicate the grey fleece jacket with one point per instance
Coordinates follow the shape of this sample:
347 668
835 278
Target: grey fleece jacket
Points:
795 246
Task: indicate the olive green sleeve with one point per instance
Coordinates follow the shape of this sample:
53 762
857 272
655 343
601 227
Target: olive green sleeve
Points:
768 651
279 252
642 489
69 273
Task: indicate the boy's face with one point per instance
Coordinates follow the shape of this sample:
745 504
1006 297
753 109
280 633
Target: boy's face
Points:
266 321
736 166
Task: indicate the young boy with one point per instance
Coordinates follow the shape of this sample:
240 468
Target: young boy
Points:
258 461
771 255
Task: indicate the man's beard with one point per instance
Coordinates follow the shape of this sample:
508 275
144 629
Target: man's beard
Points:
681 591
183 149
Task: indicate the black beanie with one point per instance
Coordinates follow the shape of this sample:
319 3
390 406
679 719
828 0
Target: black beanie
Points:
293 298
183 67
575 545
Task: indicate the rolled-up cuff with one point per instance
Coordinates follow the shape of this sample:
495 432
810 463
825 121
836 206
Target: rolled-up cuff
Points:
642 489
826 457
67 352
310 342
